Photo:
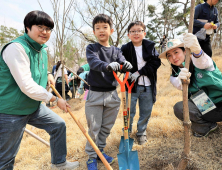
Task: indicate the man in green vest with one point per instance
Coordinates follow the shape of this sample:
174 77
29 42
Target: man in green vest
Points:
23 78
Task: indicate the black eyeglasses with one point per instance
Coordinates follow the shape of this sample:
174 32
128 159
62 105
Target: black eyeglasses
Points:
136 32
41 29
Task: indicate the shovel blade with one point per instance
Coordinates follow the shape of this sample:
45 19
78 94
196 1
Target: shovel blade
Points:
130 162
122 144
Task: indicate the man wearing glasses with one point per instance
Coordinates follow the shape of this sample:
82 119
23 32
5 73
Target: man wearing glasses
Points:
142 54
23 78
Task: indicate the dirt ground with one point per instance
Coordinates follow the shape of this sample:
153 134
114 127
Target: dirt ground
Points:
161 152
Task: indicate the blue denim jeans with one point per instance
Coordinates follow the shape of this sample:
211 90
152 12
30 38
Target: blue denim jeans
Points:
12 128
145 108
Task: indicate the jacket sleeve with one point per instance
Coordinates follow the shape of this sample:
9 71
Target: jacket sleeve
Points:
93 60
151 65
120 57
176 82
196 16
124 52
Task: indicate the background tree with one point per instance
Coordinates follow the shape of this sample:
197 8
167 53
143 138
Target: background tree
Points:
8 34
62 11
121 11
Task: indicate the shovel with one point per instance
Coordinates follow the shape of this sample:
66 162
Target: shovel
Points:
121 146
127 160
92 143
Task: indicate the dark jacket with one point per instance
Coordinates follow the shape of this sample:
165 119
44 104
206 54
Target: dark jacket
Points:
150 55
98 57
206 12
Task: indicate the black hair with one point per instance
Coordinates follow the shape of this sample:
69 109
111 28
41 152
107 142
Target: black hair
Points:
205 0
80 70
175 69
136 23
37 18
102 18
57 65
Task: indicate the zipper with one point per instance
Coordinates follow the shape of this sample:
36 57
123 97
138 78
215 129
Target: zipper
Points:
39 68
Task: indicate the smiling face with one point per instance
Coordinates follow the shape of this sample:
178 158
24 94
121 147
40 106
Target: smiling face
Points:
102 31
40 37
136 35
176 56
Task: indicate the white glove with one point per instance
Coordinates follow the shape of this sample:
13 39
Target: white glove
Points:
184 74
134 76
114 66
191 42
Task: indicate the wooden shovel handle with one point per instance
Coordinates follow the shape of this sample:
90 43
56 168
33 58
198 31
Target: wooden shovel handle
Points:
37 137
86 134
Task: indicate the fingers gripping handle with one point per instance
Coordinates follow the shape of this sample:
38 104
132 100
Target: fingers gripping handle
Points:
122 83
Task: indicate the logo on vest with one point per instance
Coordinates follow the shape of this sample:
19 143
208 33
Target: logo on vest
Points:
199 75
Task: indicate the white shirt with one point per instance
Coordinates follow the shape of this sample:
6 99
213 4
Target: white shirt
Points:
19 64
203 62
59 74
140 64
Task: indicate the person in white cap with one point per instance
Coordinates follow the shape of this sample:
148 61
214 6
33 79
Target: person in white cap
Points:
205 88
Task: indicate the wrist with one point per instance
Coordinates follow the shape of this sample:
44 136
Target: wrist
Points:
197 55
55 101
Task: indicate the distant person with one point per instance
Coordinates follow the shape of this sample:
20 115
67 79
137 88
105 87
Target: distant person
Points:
102 103
59 80
86 67
205 16
141 53
53 70
205 84
83 86
23 79
76 80
163 43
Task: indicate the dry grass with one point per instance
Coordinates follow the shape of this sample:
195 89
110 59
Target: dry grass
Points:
164 131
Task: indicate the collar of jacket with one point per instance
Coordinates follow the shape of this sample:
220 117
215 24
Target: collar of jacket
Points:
33 43
208 6
147 47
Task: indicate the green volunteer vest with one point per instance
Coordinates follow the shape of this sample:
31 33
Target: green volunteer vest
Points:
86 67
12 99
209 81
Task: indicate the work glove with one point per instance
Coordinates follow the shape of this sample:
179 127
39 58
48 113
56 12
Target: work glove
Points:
191 42
114 66
127 66
135 76
80 90
184 74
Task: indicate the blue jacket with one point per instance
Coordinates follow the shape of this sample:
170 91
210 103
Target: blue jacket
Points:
204 11
98 57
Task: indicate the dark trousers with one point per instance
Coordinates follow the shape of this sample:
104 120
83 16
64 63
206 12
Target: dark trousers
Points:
200 123
206 46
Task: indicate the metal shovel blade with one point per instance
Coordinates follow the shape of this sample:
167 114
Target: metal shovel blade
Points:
128 161
122 145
